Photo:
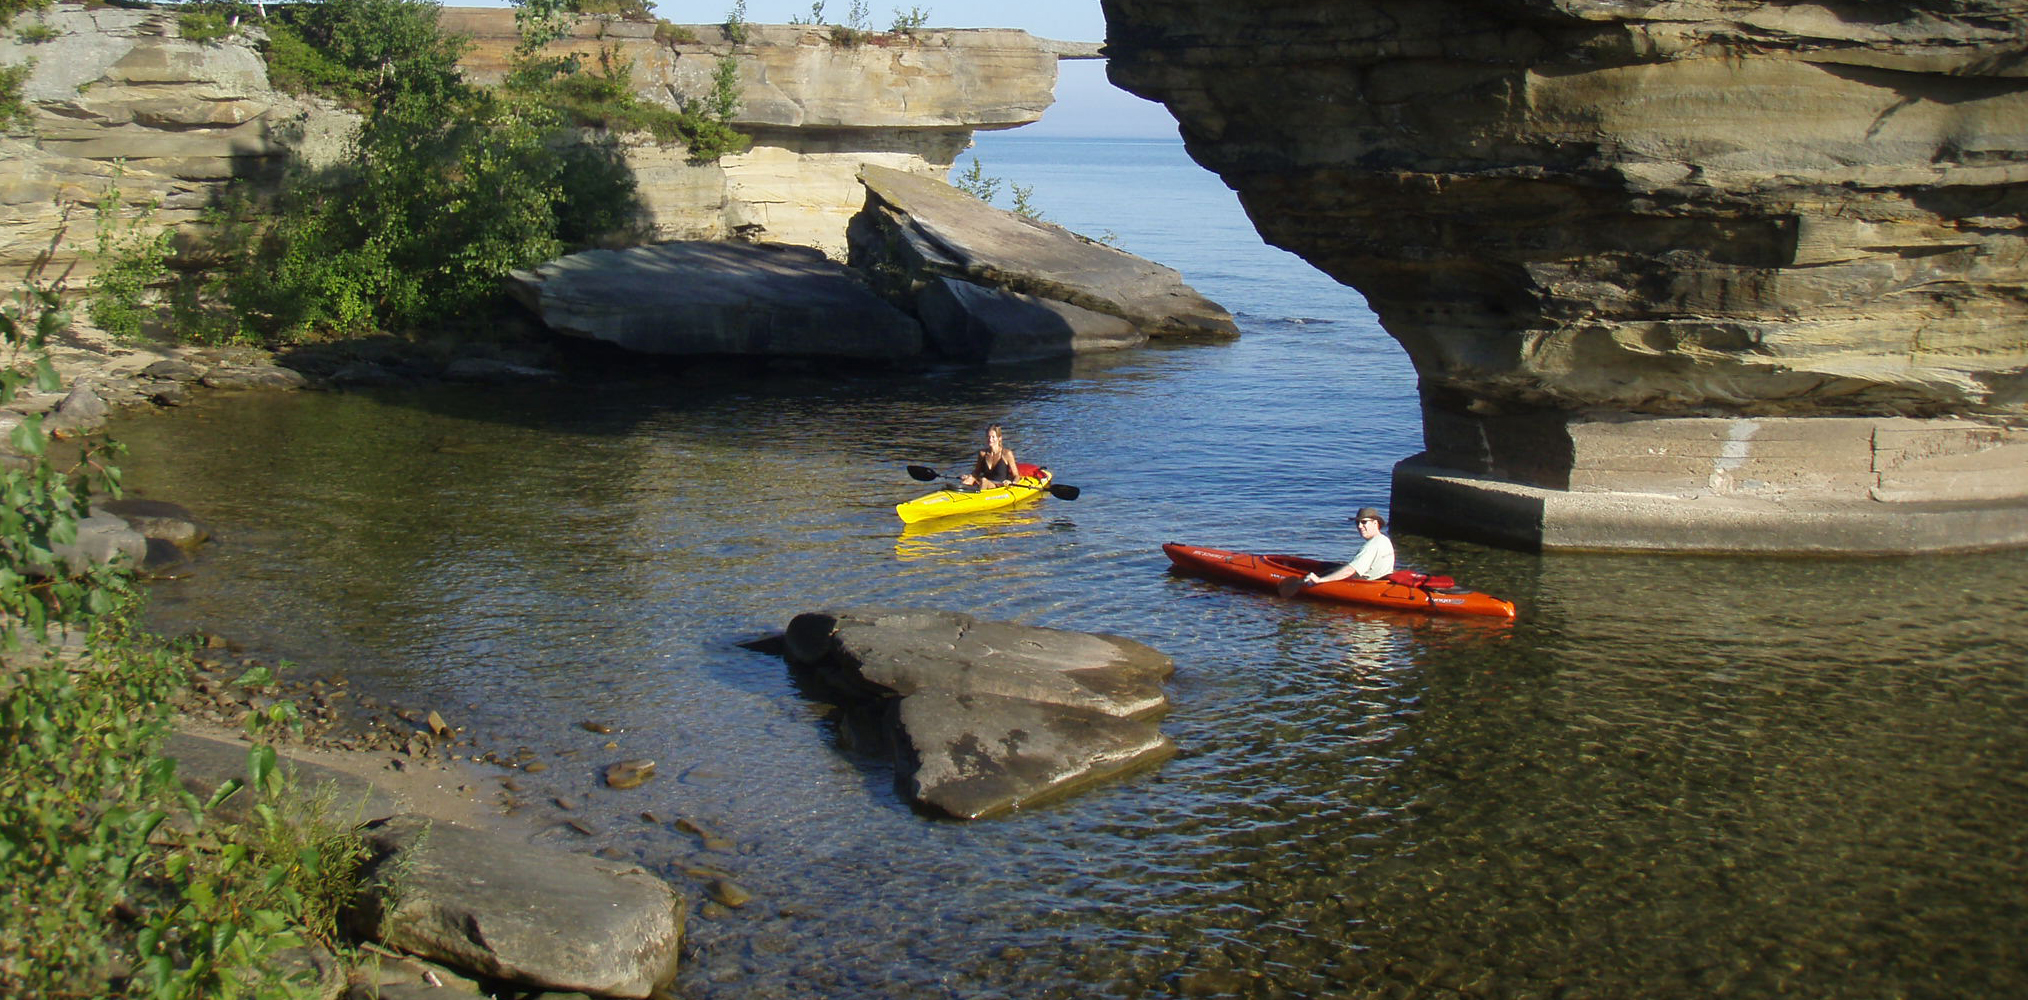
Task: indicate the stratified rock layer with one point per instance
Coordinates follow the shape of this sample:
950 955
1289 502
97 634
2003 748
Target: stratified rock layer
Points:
996 286
1596 216
119 100
718 298
985 717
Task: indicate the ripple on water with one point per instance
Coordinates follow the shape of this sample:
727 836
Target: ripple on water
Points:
1670 777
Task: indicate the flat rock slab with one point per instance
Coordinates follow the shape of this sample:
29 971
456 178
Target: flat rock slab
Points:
203 764
987 717
510 911
921 229
711 298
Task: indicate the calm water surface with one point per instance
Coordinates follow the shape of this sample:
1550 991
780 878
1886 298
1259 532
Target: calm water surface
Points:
1671 777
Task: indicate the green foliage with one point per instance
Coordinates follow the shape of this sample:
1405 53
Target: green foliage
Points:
909 21
735 22
13 106
364 52
540 23
856 29
204 26
76 811
89 869
9 9
37 33
1024 201
128 258
977 183
441 203
816 15
604 97
625 10
673 34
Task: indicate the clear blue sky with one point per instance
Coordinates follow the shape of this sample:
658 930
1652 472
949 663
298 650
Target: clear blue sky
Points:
1086 103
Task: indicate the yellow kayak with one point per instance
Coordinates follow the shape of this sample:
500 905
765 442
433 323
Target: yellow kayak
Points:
1034 479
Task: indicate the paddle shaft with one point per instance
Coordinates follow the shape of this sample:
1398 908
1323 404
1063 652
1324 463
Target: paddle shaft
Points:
923 473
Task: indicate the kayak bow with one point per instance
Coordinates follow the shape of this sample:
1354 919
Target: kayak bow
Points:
1266 572
1034 480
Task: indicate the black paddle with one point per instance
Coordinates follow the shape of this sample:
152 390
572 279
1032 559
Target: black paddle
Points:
926 474
1288 587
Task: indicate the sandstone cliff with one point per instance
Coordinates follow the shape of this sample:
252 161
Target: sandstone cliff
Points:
118 86
1627 245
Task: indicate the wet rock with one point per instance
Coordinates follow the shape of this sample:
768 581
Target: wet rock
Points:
729 893
496 372
629 773
159 520
101 540
252 376
985 717
165 561
521 914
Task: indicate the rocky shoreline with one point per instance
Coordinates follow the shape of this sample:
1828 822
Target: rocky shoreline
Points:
494 894
432 799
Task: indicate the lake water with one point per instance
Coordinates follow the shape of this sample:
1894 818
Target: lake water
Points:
1688 777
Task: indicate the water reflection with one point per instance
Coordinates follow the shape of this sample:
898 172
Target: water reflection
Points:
1669 777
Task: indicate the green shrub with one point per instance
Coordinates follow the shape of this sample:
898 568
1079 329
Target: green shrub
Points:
295 66
673 34
13 107
625 10
37 33
204 26
102 898
735 22
367 51
909 21
128 259
10 9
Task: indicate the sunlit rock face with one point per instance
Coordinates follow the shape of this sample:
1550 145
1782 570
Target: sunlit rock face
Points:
1583 218
119 101
817 110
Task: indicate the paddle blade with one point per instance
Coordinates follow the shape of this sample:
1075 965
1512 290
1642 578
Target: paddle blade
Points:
922 472
1064 492
1289 587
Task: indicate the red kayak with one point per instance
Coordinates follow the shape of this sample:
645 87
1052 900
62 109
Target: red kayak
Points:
1404 590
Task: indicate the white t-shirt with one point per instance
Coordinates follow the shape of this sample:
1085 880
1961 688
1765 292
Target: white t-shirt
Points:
1375 559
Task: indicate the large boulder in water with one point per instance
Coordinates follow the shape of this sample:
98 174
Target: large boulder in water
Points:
995 285
985 717
712 298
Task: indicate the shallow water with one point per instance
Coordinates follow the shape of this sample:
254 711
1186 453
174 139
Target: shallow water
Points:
1676 777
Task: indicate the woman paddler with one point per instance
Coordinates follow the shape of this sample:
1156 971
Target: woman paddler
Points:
994 465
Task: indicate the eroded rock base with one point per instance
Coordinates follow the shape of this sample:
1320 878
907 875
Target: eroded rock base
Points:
1444 503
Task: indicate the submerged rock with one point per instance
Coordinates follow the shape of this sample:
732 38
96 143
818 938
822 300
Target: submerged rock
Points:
707 298
986 717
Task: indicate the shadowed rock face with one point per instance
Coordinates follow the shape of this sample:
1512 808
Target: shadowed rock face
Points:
1634 211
